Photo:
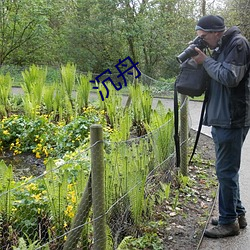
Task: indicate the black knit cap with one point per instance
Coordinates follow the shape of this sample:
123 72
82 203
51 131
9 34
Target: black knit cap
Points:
210 23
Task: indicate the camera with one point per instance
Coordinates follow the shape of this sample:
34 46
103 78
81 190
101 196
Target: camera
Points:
190 51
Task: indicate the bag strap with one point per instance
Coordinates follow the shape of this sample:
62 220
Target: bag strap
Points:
199 127
176 126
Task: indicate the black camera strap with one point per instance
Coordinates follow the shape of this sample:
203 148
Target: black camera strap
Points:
199 127
176 126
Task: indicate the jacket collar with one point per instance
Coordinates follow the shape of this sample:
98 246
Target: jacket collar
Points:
231 32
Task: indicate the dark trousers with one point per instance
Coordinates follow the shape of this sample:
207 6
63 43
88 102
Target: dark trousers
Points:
228 145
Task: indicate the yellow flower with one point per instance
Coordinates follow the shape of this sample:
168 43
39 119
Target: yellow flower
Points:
6 132
45 151
73 199
69 211
16 152
102 112
31 187
14 209
37 196
38 156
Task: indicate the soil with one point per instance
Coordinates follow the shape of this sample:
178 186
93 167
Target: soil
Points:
186 223
25 164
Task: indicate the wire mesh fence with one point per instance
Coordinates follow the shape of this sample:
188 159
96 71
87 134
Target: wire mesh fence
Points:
45 211
56 209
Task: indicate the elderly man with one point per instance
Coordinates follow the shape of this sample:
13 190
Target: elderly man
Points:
228 112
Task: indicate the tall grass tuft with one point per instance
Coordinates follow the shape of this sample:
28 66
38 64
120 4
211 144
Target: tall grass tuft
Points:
56 184
5 89
83 91
6 184
48 98
141 106
112 104
33 86
68 74
161 126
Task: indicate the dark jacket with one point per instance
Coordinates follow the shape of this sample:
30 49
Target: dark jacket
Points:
228 103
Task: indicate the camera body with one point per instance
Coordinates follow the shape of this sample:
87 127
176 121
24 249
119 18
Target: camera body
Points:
190 51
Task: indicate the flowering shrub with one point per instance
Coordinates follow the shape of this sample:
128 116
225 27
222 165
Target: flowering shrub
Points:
44 137
30 204
42 208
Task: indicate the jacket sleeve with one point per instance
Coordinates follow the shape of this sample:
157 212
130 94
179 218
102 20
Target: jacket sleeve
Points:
234 66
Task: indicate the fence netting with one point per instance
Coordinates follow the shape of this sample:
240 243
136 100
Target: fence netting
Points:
52 208
41 211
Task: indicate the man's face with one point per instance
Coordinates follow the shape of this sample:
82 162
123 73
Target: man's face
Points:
211 38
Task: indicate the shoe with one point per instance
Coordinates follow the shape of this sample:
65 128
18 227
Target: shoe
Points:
221 231
241 219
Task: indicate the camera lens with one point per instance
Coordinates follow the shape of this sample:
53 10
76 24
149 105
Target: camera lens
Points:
187 53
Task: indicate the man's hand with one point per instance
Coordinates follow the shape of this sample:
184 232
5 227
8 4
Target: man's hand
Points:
200 58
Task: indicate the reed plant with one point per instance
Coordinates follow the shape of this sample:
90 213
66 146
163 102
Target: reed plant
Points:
5 90
34 80
65 181
141 106
126 172
62 106
6 184
83 91
122 130
135 93
68 75
137 179
56 187
146 100
161 132
112 105
56 184
48 98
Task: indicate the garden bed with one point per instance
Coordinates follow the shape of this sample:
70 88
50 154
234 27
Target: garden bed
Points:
178 222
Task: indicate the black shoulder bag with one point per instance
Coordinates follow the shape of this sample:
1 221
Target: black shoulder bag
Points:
191 81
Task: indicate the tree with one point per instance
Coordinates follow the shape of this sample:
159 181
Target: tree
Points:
20 22
237 13
149 31
95 34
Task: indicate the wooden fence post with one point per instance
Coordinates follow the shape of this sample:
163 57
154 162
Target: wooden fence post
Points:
98 195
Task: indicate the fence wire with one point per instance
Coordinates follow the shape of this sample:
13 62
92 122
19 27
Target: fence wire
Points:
44 210
40 211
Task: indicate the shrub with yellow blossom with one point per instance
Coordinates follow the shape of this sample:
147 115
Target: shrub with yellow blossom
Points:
44 137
